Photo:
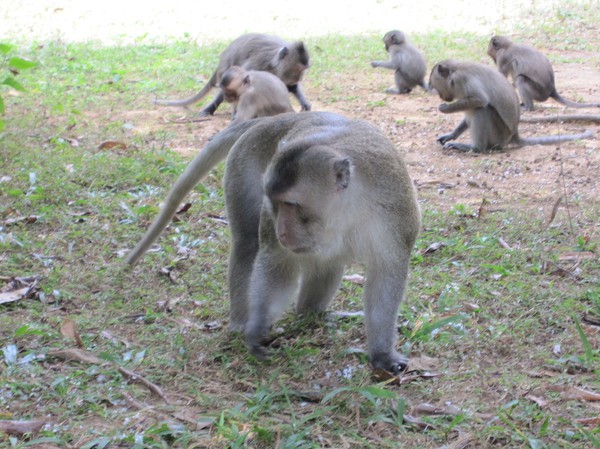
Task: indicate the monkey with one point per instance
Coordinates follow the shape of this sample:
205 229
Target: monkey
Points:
490 104
254 93
530 71
406 60
287 61
305 195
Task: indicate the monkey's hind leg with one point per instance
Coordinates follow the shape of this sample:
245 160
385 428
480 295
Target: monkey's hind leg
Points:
527 91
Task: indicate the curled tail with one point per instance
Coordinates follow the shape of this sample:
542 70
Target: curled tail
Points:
213 153
212 82
572 104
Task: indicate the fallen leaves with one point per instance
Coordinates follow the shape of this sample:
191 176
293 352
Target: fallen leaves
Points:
19 428
17 288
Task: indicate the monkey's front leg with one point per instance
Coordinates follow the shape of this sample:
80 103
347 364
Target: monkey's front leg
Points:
297 91
273 283
384 291
461 128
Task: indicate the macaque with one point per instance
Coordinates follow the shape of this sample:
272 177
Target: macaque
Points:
530 71
306 194
254 93
407 62
490 105
287 61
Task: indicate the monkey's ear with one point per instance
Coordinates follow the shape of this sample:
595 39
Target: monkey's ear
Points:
341 169
495 43
283 52
247 79
443 71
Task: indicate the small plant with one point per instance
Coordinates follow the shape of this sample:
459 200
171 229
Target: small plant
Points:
12 65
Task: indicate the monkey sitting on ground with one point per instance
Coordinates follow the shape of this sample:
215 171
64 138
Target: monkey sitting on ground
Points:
254 93
490 104
530 71
287 61
305 195
406 60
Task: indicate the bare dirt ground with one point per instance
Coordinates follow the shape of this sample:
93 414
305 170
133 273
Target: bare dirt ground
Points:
533 177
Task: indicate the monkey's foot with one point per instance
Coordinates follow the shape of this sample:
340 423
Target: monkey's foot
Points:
392 91
459 146
258 350
394 362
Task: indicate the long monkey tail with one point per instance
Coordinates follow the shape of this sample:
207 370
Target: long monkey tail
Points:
212 82
213 153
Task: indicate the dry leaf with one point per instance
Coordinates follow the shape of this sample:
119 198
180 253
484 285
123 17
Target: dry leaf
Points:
575 393
19 428
433 247
78 355
463 441
430 409
355 278
68 330
542 403
110 144
15 295
589 422
422 363
554 210
27 220
575 256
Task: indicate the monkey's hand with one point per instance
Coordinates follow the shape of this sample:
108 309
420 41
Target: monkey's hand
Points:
446 108
445 138
374 64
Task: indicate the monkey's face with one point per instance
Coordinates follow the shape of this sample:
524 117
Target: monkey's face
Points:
440 82
305 199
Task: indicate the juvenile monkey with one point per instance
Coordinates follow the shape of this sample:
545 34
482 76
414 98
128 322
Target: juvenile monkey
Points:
287 61
305 195
406 60
490 104
254 93
530 71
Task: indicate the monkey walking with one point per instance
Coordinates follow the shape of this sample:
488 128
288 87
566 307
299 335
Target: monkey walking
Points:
530 71
490 105
407 62
305 195
254 93
287 61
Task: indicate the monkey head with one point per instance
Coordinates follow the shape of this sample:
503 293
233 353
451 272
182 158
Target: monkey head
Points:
394 37
291 62
234 82
305 194
496 44
440 80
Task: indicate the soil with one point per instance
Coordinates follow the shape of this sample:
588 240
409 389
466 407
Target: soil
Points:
533 176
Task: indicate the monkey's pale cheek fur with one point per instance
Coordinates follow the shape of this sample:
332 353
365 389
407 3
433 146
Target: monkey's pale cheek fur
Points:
342 174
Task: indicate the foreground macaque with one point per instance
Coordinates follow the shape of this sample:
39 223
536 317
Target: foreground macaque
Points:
254 93
490 104
287 61
406 60
530 71
307 194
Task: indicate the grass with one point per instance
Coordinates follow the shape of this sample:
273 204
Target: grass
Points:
504 325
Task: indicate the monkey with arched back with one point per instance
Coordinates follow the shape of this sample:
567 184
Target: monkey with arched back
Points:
287 61
407 62
254 93
490 105
305 195
530 71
